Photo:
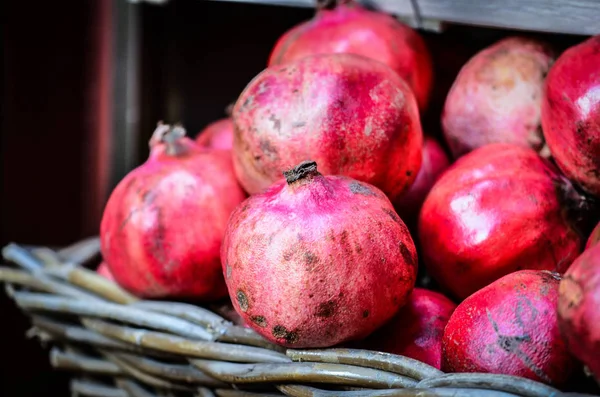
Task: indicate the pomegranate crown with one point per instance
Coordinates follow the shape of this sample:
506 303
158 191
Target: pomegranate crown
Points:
165 133
301 171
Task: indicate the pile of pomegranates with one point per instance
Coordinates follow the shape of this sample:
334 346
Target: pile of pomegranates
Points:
294 208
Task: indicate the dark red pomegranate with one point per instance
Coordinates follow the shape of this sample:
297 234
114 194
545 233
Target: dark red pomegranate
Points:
163 224
352 115
497 97
571 114
579 308
217 135
498 209
417 330
317 260
594 237
435 162
510 327
350 28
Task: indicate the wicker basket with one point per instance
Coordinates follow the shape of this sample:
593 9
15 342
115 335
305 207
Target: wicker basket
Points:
121 346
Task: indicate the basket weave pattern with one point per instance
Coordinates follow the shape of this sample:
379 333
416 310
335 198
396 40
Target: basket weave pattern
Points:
121 346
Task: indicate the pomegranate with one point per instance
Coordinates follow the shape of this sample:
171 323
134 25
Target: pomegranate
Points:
578 308
163 224
217 135
571 114
350 28
435 162
317 260
104 271
497 97
594 237
352 115
417 330
510 327
498 209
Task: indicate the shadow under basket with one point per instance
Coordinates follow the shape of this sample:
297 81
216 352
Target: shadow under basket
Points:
120 346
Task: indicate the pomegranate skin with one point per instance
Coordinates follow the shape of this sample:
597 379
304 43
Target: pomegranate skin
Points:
317 261
510 327
571 114
594 237
104 271
498 209
163 224
417 330
435 162
350 114
217 135
352 29
497 97
578 308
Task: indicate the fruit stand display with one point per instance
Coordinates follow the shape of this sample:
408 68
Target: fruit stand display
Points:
318 242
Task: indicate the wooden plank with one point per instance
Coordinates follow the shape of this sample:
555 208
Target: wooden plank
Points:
560 16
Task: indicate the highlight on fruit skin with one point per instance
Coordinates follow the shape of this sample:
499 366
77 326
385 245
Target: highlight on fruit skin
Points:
579 308
497 97
163 224
344 111
317 260
498 209
510 327
571 114
416 331
347 27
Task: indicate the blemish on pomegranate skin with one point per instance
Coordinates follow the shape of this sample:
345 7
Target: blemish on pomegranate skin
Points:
392 214
365 314
359 188
227 270
326 309
242 300
408 173
261 321
280 332
276 123
406 254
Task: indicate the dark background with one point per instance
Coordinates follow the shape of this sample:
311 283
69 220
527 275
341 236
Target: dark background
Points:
206 51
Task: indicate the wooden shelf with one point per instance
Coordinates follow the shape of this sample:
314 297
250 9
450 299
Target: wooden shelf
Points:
559 16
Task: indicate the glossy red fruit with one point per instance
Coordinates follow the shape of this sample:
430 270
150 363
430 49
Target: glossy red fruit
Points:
317 260
163 224
350 28
217 135
497 97
571 114
104 271
594 237
352 115
579 308
510 327
435 162
498 209
417 330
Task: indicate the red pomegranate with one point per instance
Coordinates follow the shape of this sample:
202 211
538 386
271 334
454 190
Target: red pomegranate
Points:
435 162
104 271
217 135
497 97
510 327
350 28
417 330
594 237
352 115
579 308
317 260
163 224
498 209
571 114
